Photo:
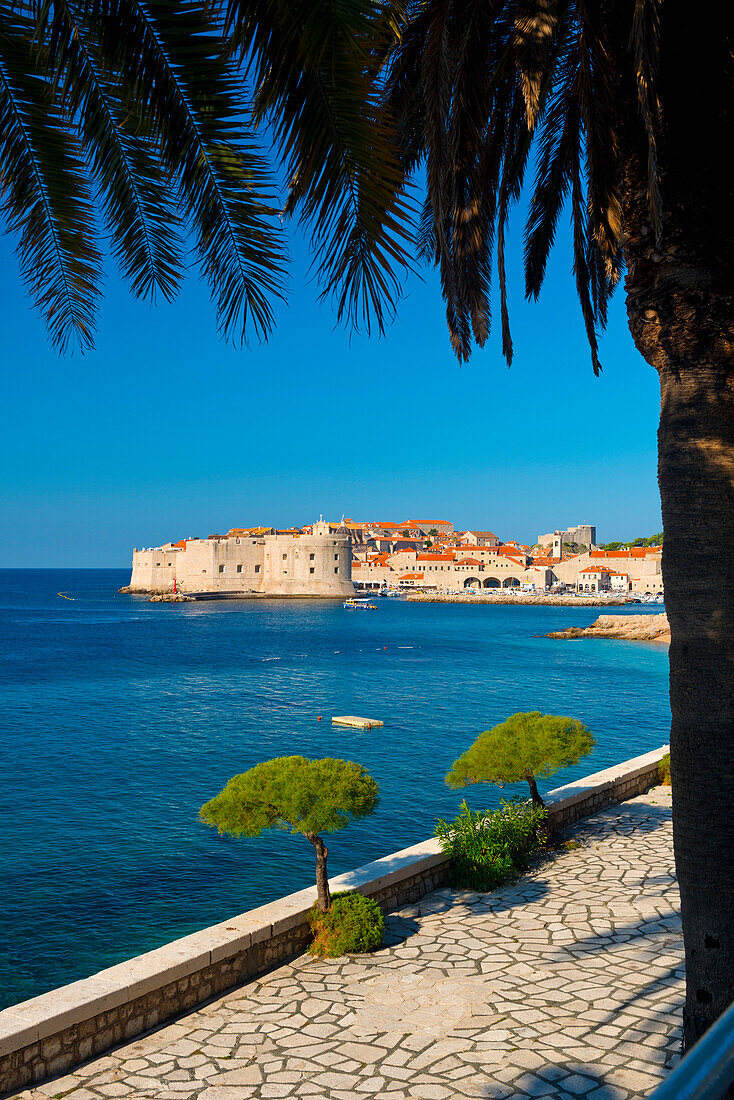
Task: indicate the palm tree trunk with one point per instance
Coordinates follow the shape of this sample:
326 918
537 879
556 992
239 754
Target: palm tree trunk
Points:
680 305
323 894
682 322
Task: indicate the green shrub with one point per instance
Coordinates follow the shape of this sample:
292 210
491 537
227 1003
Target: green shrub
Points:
486 846
353 924
664 770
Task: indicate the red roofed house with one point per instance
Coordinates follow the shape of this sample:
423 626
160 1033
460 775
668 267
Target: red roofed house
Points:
412 580
594 579
480 538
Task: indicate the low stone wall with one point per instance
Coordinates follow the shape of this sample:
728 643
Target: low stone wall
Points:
47 1035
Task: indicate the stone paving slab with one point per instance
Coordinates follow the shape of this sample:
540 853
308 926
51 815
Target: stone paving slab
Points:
565 984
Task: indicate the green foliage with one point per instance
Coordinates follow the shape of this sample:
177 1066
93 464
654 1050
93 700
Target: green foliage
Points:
523 746
664 770
486 847
295 794
653 540
353 924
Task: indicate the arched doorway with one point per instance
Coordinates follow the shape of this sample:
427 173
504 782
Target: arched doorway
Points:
491 582
472 582
511 582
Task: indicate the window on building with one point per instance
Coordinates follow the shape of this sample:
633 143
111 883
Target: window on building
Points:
221 568
311 557
285 557
336 570
336 557
239 568
257 568
312 570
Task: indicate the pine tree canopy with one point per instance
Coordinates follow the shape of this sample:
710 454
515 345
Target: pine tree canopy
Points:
295 794
524 744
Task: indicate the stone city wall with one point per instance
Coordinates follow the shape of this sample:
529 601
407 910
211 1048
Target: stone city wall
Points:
49 1034
274 565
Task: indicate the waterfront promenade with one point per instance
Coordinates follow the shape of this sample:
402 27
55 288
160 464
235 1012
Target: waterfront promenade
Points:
566 984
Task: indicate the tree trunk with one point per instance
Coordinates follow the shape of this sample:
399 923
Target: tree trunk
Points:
323 894
680 305
537 800
680 311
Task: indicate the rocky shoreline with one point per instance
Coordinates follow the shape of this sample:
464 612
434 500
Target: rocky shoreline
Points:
636 628
519 598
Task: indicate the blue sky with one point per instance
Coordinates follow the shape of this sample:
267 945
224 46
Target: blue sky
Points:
164 431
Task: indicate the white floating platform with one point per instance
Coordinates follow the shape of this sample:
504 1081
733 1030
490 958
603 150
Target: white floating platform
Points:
354 722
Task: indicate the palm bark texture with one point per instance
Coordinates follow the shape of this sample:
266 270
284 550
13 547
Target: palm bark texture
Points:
618 114
146 127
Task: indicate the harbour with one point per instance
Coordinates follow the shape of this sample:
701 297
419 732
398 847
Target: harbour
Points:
122 716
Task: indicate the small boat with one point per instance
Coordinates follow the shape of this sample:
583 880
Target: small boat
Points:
360 605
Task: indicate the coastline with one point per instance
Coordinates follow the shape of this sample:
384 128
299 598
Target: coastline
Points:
531 601
634 628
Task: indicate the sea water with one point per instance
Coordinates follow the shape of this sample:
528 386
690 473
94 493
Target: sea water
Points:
119 718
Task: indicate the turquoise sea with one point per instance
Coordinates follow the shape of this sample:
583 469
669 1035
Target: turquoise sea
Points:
119 718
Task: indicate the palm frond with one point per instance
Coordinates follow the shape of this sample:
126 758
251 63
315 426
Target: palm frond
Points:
646 51
534 33
426 235
135 200
598 80
168 56
403 93
471 228
313 66
560 133
44 190
580 263
517 149
492 83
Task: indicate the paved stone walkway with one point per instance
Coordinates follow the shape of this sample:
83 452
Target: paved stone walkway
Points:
565 984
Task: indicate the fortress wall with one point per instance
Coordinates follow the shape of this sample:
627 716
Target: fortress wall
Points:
277 565
224 565
153 570
309 565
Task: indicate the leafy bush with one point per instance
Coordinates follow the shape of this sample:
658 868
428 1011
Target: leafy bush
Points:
486 846
664 770
353 924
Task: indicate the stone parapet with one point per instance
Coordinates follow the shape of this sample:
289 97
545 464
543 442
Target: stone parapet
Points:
49 1034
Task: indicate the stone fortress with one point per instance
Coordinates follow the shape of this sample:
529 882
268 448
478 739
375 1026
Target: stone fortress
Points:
582 534
241 563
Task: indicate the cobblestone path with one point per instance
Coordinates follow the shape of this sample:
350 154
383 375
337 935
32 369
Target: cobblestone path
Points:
565 984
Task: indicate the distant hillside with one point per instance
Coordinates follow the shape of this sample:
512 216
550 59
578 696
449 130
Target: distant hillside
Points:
653 540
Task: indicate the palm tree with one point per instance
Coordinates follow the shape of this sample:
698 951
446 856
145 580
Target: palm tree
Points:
622 113
138 123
